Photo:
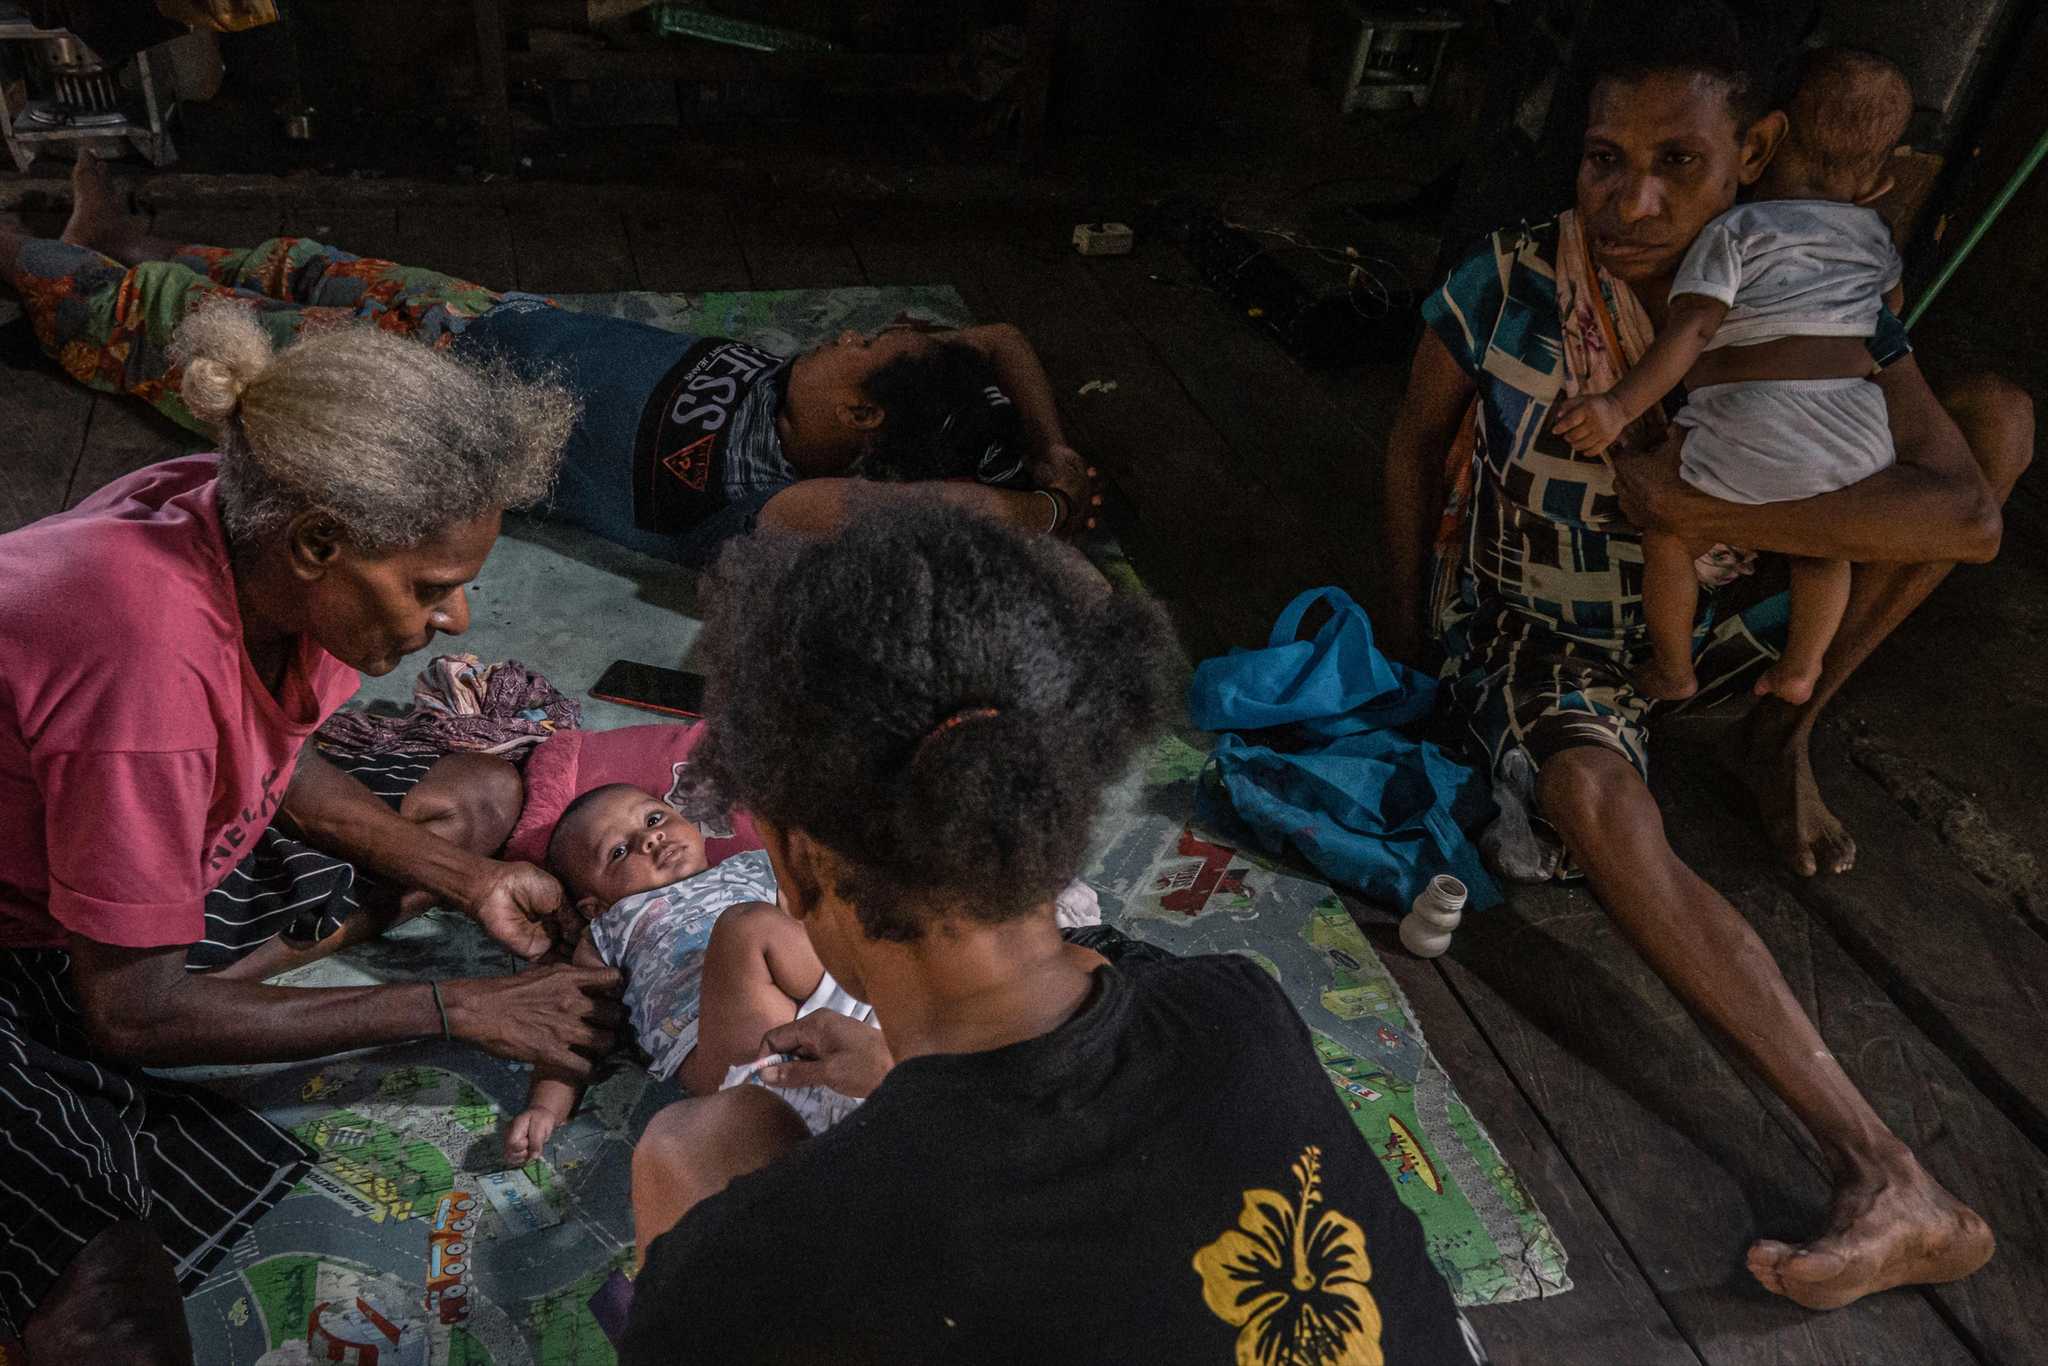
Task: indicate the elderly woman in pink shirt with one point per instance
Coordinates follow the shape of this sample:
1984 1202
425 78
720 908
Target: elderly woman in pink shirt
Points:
166 649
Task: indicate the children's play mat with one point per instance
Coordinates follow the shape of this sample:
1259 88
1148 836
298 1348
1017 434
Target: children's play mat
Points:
410 1243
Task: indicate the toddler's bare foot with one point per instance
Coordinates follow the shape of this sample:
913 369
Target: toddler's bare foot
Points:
98 220
1655 679
1788 681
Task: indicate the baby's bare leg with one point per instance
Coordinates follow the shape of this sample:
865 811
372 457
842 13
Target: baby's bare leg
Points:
1820 594
758 968
1671 596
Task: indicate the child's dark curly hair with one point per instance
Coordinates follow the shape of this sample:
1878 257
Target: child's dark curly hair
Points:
944 417
937 700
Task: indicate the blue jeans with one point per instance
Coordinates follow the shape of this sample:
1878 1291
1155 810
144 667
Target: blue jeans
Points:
613 366
601 501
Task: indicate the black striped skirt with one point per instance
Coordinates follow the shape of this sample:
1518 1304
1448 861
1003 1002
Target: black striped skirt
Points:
86 1143
287 887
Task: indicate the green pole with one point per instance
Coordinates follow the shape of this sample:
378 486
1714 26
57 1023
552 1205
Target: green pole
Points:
1962 253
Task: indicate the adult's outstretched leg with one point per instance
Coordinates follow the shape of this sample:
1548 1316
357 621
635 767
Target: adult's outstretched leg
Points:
1996 418
106 297
1890 1223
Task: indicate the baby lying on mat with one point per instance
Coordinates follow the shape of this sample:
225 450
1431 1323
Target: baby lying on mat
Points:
711 962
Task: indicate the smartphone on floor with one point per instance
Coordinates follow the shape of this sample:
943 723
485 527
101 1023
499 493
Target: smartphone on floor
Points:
651 687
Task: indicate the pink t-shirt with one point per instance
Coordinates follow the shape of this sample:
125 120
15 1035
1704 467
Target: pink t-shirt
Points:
139 753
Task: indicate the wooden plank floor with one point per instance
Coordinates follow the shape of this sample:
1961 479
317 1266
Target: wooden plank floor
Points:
1934 1099
1656 1156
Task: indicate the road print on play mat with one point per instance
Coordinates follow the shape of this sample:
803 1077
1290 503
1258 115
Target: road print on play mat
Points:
409 1236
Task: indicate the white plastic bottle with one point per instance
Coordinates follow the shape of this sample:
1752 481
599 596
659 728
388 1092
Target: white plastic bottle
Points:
1426 929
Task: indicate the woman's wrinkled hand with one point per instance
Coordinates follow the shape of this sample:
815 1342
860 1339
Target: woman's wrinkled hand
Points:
828 1049
559 1017
523 908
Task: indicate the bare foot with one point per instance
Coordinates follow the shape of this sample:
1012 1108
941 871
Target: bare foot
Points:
1900 1228
1778 771
98 220
1674 684
1788 682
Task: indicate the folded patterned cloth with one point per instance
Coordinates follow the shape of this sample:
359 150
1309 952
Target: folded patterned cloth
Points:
460 703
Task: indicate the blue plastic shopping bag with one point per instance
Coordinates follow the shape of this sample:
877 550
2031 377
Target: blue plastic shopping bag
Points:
1366 805
1337 684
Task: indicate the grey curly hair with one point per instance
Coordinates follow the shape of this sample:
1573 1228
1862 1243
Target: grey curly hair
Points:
396 441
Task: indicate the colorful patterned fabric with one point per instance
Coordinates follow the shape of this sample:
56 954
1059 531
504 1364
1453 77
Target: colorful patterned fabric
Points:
1540 603
110 325
1523 686
460 703
1605 331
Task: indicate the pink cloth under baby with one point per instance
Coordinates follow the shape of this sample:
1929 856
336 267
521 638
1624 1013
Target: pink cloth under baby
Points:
647 757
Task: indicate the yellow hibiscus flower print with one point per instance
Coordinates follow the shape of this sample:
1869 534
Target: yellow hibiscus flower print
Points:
1292 1277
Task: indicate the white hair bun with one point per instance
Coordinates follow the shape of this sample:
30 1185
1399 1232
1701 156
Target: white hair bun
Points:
223 350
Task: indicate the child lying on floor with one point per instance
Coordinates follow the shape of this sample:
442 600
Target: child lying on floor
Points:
711 962
1768 319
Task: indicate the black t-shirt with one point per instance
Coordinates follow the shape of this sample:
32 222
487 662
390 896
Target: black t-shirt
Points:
1167 1177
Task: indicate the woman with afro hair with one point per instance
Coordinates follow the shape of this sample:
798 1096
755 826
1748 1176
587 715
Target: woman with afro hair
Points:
1059 1158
